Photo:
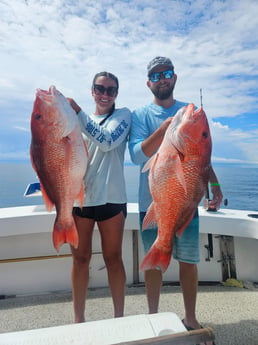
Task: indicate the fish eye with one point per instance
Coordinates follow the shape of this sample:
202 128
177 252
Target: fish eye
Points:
205 135
37 116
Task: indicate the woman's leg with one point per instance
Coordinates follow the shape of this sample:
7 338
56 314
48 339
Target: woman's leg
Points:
80 268
111 231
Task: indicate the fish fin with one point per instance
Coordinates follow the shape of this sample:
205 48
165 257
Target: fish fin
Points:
183 227
174 165
80 196
156 258
49 204
86 149
149 163
150 218
65 233
178 168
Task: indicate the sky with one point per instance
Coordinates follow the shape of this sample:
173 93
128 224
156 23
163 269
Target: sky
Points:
213 46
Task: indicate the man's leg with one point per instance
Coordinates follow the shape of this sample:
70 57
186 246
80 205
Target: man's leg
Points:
153 278
188 276
187 252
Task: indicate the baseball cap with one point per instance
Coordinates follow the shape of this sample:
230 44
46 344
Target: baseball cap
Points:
159 61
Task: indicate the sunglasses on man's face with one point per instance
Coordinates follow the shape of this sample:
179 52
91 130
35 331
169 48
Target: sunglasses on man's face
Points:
100 90
155 77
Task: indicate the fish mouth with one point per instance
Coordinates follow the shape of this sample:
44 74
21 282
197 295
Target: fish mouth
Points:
188 119
192 116
47 95
51 90
197 114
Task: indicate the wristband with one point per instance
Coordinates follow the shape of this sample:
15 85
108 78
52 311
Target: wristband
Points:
214 184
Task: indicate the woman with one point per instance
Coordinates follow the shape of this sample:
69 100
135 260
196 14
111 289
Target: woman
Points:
106 134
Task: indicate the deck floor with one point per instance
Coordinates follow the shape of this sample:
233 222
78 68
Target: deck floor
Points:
231 312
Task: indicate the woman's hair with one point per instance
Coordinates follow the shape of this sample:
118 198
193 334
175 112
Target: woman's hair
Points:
111 76
108 75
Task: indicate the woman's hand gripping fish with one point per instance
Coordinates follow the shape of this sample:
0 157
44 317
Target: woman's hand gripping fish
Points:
59 157
178 178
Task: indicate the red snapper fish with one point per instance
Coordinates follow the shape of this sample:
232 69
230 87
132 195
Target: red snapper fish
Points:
178 179
59 157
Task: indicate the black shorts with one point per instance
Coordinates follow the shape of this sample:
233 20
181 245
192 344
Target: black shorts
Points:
101 212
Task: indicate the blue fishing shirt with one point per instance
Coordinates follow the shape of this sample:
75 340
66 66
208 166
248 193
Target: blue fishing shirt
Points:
145 121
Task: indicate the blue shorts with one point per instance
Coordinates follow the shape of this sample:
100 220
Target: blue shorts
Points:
185 249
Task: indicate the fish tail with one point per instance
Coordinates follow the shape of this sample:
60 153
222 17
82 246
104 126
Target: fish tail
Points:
156 258
64 233
49 204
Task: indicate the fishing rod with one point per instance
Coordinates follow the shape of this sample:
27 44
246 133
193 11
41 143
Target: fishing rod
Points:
207 192
208 246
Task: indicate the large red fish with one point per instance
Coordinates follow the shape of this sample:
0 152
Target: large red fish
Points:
59 157
178 179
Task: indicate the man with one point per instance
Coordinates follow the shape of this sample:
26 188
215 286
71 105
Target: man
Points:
149 124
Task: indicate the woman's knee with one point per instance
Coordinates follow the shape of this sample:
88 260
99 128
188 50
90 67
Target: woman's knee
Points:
81 260
113 259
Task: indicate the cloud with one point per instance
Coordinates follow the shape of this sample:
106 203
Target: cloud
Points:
234 144
212 44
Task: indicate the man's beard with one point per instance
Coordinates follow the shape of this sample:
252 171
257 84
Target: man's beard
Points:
163 93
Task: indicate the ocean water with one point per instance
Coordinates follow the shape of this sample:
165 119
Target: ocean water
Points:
239 184
15 176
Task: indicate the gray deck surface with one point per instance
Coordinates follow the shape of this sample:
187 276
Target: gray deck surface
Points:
232 312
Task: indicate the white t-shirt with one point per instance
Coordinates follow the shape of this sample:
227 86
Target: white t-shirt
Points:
104 179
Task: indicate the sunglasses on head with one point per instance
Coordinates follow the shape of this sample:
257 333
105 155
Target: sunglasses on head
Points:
100 90
154 77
